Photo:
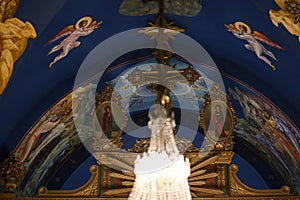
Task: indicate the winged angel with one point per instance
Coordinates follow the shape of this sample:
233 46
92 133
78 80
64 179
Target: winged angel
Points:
83 27
243 31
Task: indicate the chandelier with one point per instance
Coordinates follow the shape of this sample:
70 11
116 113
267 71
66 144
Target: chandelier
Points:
162 172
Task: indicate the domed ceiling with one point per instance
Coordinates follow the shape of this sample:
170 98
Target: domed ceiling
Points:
232 43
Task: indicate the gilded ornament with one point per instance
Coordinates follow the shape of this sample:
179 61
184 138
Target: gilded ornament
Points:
89 189
221 177
12 172
183 145
190 74
217 118
288 16
14 35
8 9
238 188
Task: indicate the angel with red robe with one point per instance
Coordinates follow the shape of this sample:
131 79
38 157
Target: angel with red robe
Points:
83 27
243 31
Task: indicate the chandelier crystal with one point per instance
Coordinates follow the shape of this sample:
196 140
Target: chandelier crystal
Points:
162 172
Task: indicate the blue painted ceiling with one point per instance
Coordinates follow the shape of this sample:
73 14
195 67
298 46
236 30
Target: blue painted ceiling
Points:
34 87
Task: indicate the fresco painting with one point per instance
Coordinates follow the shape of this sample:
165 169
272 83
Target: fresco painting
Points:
52 139
262 125
144 96
83 27
253 38
266 127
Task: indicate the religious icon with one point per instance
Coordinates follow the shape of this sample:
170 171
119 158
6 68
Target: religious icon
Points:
108 120
218 121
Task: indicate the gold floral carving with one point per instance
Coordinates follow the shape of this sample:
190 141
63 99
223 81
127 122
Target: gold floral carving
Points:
237 188
140 146
183 145
286 17
107 94
90 189
12 172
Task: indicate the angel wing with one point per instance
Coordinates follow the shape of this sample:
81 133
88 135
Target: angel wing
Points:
261 37
66 31
231 28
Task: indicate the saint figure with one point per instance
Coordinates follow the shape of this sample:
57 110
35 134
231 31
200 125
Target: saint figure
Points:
107 121
219 122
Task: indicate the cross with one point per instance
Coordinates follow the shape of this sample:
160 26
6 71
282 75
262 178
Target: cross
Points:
162 76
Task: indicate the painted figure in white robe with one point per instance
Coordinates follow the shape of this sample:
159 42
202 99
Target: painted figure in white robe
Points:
83 27
243 31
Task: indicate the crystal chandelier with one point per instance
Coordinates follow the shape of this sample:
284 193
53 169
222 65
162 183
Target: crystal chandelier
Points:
162 172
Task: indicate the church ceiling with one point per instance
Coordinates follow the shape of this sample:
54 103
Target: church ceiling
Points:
248 45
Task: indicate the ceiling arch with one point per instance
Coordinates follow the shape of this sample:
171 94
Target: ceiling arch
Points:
34 88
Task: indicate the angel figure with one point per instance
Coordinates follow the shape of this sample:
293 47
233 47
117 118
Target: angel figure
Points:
243 31
83 27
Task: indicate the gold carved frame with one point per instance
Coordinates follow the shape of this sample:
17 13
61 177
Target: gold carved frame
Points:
218 139
104 99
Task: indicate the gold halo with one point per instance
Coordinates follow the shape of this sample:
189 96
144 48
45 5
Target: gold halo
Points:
88 19
238 24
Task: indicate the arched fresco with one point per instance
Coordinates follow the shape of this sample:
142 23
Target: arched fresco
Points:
262 126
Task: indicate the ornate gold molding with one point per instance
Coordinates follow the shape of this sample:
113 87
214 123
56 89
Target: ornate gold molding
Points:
89 189
225 157
12 172
107 94
222 177
238 188
184 146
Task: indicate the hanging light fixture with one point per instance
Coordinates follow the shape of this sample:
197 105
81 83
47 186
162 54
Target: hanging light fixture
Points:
162 172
